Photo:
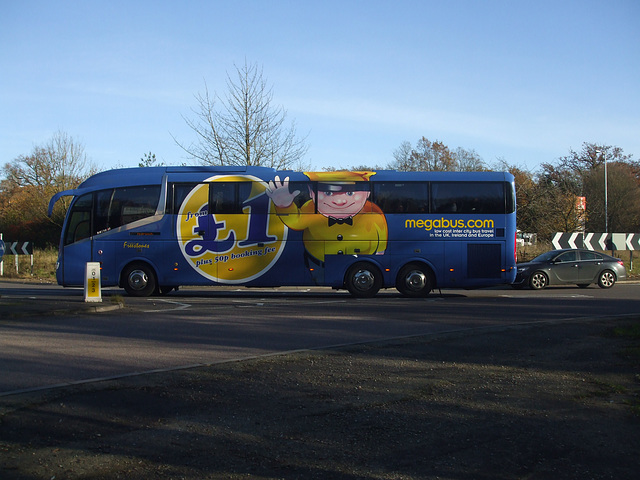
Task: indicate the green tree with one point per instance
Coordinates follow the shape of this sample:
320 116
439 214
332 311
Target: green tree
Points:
150 160
31 180
623 198
583 174
245 127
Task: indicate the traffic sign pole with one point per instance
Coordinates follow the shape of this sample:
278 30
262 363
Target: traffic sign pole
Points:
1 255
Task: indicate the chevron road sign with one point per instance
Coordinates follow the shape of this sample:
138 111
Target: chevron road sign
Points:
633 241
19 248
596 241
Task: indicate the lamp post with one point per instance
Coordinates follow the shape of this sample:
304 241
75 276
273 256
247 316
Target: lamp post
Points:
606 196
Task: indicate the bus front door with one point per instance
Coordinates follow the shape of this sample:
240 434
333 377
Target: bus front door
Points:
74 259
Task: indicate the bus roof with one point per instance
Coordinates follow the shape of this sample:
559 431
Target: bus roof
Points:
125 177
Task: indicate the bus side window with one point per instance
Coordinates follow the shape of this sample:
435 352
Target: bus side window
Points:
401 197
102 221
468 197
133 203
304 188
222 197
178 194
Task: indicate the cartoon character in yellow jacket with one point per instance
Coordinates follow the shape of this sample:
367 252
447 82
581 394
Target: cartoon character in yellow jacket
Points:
339 219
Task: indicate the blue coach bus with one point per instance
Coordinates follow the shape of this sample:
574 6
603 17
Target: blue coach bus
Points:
155 229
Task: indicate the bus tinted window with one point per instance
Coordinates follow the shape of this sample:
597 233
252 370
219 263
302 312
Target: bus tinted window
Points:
468 197
79 224
305 189
178 193
134 203
405 197
228 197
112 208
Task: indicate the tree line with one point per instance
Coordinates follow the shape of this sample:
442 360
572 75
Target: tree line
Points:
245 128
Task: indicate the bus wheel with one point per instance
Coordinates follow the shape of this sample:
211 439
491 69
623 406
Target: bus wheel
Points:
363 280
414 280
139 280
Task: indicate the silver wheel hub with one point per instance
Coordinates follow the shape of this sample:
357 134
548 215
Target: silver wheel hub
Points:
416 280
138 279
363 280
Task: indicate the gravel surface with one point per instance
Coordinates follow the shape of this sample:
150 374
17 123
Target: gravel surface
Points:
548 401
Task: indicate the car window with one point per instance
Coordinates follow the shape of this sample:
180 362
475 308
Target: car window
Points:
590 256
567 257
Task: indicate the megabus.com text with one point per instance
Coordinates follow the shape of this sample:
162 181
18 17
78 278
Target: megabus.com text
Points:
438 223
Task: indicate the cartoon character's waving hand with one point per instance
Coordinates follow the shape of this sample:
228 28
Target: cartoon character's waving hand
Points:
338 219
279 193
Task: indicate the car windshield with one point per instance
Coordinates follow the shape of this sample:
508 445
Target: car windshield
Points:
545 257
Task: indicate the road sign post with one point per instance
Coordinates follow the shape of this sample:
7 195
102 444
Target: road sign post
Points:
92 291
1 255
18 248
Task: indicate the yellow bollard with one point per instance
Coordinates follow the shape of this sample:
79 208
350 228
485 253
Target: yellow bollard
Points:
92 292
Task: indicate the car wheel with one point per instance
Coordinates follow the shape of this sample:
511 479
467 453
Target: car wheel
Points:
538 280
583 285
363 280
139 280
607 279
414 280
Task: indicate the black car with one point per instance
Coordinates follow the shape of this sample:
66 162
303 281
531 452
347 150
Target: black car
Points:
580 267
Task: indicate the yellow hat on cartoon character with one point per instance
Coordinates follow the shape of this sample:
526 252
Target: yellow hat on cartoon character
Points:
339 177
341 181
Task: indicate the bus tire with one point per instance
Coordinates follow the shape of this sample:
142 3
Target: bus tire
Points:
363 280
139 280
414 280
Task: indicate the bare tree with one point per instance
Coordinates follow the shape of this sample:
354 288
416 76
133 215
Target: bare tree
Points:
244 128
435 156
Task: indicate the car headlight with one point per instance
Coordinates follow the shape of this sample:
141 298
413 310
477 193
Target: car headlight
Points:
522 269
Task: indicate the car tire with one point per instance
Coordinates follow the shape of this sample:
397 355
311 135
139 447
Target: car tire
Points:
538 280
363 280
607 279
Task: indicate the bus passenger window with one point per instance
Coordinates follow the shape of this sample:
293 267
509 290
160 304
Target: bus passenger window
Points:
178 194
401 197
133 203
222 197
468 197
305 189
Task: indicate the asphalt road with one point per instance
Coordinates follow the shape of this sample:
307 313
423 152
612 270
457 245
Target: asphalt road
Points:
205 326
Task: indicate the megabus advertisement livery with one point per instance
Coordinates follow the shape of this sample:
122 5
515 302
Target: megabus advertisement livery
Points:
164 227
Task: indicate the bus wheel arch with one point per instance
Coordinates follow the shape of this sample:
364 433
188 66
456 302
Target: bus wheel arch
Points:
363 279
415 279
139 279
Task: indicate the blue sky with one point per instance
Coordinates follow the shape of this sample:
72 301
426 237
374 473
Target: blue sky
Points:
516 80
